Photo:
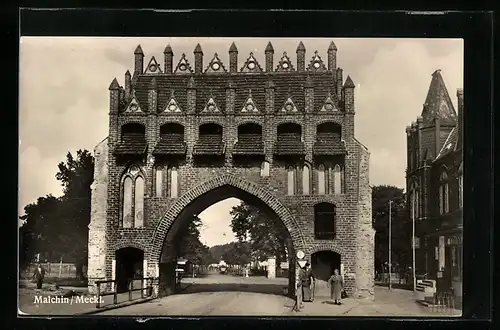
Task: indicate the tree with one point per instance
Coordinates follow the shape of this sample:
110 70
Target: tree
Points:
189 245
401 237
76 176
40 232
265 237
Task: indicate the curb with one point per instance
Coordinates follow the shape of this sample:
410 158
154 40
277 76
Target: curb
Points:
125 304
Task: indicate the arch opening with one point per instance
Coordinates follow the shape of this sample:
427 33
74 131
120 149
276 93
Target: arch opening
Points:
289 132
323 264
209 145
284 265
129 267
248 151
172 131
133 131
328 131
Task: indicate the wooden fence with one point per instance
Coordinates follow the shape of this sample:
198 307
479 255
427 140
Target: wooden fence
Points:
62 270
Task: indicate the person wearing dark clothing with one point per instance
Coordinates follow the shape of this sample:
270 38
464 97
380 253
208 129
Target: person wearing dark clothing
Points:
307 280
39 275
336 284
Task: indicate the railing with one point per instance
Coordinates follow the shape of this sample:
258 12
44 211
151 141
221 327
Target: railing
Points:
443 301
146 280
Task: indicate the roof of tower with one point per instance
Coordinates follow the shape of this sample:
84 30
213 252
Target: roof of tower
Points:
127 73
198 49
138 50
168 50
233 48
301 47
332 46
349 83
269 47
438 103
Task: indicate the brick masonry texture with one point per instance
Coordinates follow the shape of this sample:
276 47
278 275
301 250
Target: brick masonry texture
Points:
201 185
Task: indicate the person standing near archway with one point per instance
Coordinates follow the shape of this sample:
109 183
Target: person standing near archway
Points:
307 279
336 284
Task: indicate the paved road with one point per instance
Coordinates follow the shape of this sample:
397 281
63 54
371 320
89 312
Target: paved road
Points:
226 295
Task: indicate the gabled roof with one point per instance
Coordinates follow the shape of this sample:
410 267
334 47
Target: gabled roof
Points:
438 103
449 145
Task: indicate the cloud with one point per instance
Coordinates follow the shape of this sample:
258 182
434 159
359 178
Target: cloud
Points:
37 177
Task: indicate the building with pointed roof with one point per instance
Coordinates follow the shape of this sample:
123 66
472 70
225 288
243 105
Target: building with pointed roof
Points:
184 136
435 188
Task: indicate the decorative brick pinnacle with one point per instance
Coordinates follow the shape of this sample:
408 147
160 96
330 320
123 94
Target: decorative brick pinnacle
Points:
114 85
269 48
349 83
168 50
198 50
233 48
138 51
301 47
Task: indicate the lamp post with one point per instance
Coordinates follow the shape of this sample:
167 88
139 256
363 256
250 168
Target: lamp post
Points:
390 246
413 240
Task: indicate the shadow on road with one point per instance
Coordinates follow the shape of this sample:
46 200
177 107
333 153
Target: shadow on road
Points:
272 289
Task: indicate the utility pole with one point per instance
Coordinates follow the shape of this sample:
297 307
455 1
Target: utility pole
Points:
413 241
390 245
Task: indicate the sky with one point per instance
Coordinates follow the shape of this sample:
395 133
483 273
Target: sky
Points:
64 97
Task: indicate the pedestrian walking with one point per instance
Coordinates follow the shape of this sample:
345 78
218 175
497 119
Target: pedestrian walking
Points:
39 275
336 285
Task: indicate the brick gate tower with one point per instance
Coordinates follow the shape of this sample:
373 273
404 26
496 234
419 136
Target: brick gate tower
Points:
278 135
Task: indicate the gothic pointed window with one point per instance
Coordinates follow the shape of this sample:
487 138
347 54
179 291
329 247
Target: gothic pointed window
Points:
337 179
321 180
264 170
132 207
139 202
291 181
127 202
159 181
305 180
174 187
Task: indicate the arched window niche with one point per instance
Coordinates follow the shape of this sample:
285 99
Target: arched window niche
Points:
132 203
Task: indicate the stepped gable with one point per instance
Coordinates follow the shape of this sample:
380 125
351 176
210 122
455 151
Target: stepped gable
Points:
286 84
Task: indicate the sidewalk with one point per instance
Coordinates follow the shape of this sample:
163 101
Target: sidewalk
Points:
389 303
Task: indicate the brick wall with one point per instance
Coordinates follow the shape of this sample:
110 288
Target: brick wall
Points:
202 186
97 226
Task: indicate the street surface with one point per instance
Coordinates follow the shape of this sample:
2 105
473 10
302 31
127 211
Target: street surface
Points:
226 295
